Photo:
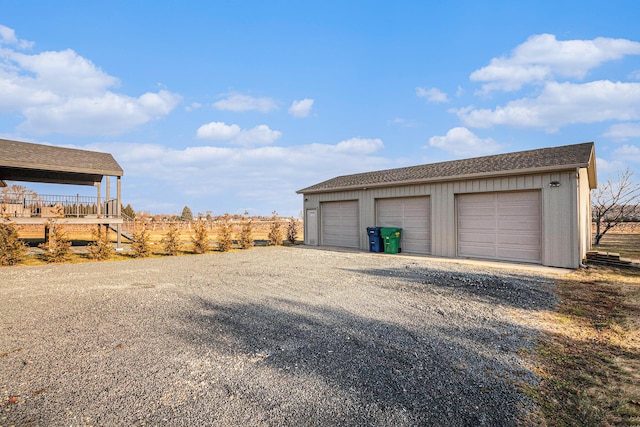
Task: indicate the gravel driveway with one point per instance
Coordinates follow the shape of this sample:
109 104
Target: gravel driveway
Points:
271 336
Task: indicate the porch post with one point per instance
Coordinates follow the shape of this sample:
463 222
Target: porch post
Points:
118 213
107 197
99 184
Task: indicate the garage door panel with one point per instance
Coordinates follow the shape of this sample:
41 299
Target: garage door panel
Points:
514 240
488 238
520 254
480 250
519 225
415 224
472 223
511 211
340 224
480 211
413 215
504 225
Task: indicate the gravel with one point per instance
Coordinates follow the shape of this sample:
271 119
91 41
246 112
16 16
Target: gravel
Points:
267 337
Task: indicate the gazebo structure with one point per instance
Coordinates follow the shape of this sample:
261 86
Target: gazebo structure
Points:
28 162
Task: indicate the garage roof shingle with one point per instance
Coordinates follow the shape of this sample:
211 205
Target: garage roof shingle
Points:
554 158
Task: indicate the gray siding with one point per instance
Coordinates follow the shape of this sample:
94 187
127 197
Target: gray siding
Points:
563 235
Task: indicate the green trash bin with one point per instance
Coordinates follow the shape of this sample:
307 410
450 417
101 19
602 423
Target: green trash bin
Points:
391 238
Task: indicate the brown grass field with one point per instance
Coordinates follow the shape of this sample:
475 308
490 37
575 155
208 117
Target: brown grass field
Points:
624 239
589 353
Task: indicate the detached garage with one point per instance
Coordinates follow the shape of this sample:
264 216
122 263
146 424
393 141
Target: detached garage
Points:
531 206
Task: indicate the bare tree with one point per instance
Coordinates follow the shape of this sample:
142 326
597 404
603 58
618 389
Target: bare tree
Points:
16 193
613 202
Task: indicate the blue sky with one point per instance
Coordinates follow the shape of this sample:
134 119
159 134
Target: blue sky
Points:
233 106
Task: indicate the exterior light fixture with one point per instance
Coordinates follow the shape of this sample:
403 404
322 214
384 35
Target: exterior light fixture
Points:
554 184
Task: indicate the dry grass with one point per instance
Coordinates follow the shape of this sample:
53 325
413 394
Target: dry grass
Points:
589 356
627 245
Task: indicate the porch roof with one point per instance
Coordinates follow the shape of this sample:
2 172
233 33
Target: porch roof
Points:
24 161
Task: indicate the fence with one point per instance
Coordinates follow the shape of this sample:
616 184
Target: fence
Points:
56 206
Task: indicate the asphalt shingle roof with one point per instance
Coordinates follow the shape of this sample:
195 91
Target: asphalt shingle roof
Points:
555 158
28 156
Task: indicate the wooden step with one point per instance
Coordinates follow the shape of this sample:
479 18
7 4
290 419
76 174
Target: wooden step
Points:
608 258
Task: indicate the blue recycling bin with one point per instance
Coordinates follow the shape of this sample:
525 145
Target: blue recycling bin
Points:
376 244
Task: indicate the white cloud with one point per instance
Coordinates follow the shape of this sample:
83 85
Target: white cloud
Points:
109 114
220 131
360 145
8 37
193 106
403 122
241 103
623 131
462 142
259 135
66 71
542 57
433 94
301 108
264 177
561 104
63 92
606 167
629 153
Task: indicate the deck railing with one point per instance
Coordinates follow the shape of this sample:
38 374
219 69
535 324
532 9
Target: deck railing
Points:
56 206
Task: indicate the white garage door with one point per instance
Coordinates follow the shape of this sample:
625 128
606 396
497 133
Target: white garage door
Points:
340 224
500 225
413 215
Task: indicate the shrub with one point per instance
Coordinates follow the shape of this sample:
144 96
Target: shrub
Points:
58 246
101 248
141 243
200 238
12 249
246 233
225 233
275 233
292 230
171 240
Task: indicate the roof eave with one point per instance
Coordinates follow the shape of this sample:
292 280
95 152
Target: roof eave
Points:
32 166
493 174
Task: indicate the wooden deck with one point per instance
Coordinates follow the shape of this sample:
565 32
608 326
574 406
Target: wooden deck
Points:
38 209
